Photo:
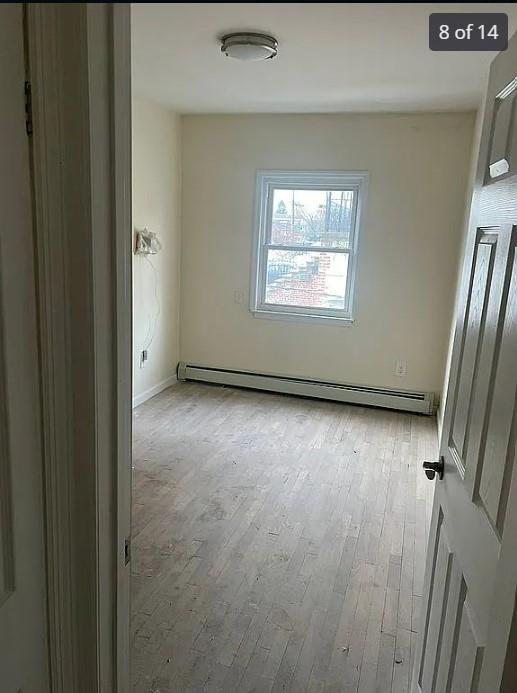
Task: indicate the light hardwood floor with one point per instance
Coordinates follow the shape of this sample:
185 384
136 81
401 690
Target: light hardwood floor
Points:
278 543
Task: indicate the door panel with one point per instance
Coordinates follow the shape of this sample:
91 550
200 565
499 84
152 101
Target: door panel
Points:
449 641
471 572
497 461
437 606
464 675
452 616
23 627
482 270
489 356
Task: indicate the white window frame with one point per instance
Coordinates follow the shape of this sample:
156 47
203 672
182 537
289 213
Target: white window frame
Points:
266 183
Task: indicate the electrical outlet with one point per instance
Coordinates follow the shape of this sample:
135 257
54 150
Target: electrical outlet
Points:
238 296
400 368
144 355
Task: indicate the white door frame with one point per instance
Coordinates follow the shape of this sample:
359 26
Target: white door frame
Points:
79 68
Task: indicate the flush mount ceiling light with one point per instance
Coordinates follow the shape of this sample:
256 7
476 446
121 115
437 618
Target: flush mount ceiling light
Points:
249 46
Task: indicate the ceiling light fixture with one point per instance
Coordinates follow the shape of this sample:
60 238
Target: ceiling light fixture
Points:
249 46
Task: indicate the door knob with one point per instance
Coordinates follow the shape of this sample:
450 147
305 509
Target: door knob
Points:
433 468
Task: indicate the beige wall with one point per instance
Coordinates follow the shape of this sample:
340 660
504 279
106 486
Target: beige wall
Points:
409 249
156 205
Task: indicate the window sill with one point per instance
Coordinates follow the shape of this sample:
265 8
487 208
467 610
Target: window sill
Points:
302 317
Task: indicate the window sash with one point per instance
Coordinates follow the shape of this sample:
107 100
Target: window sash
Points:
265 305
326 188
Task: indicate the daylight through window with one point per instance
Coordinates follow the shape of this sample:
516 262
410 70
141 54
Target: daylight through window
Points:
306 242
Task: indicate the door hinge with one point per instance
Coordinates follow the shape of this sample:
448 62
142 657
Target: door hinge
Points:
127 550
28 108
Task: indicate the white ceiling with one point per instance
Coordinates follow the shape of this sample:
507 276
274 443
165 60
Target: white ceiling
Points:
332 57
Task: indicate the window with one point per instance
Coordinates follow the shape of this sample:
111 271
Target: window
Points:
307 226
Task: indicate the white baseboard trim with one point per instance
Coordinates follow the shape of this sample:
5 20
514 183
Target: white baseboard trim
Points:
152 391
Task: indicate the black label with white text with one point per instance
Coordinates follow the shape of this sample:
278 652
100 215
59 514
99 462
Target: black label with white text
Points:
468 31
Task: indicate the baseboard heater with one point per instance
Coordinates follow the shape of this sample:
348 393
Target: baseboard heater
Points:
418 402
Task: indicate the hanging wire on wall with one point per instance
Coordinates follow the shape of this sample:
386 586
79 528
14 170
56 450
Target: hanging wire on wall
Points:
153 321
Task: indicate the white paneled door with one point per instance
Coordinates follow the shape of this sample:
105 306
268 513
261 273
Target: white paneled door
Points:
23 631
471 574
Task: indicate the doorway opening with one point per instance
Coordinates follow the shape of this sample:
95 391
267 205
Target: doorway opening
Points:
284 258
290 344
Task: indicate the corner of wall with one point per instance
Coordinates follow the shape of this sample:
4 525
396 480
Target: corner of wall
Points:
154 390
156 278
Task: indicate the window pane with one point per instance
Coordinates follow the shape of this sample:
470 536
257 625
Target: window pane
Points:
312 217
306 279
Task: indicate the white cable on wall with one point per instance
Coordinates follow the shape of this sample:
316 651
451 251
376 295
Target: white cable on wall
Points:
152 322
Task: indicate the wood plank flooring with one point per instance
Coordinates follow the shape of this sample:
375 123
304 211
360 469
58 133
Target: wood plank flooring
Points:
278 543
